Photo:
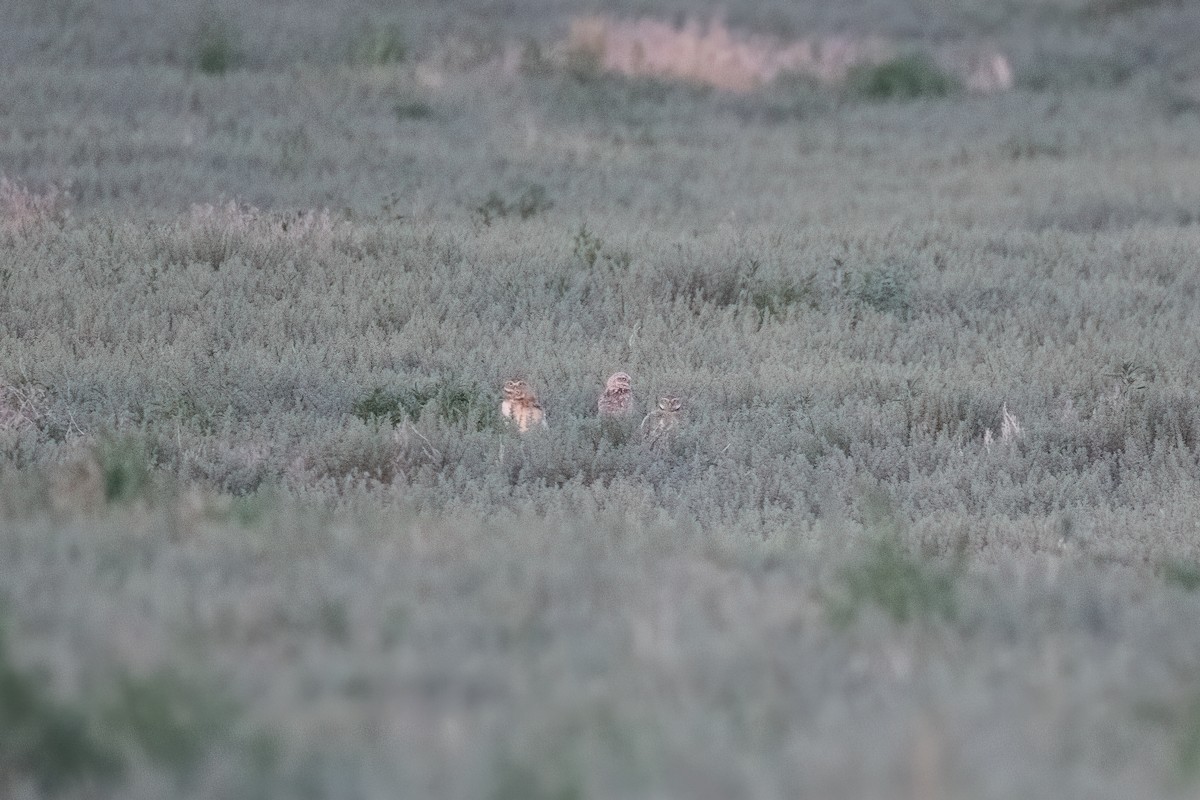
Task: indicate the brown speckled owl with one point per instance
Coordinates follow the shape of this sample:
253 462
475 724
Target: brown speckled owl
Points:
521 405
617 397
660 422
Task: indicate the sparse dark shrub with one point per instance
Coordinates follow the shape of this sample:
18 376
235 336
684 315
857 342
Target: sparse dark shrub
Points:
395 407
250 508
377 45
902 585
1026 148
884 289
903 78
47 741
173 721
126 467
585 66
414 110
216 45
1181 718
529 203
534 61
774 301
453 402
492 208
717 283
334 620
1105 213
1176 99
587 246
295 147
1182 573
533 201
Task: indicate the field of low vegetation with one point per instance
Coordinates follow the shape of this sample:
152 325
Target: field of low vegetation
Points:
929 526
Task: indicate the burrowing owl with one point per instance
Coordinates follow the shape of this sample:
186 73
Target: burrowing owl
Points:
617 397
521 405
662 420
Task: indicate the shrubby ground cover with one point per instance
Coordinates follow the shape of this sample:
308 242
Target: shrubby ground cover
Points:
927 529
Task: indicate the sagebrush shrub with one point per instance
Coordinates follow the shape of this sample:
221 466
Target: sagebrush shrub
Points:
907 77
452 401
886 289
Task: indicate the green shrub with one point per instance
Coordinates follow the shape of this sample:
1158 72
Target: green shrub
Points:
773 301
1180 717
884 289
126 468
47 741
216 48
394 407
454 402
1182 573
903 78
174 722
377 45
902 585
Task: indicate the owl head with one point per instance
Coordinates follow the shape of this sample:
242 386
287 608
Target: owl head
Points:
618 382
516 389
669 403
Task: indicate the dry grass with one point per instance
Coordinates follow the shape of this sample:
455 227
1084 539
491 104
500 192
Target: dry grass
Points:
1010 429
712 54
23 210
21 406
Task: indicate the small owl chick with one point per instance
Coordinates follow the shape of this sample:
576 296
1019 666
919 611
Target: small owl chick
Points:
521 405
662 420
617 397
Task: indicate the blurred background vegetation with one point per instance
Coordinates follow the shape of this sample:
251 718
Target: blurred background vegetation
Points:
927 528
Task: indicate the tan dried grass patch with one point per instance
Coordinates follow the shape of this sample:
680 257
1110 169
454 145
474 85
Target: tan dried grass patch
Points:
23 210
714 55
